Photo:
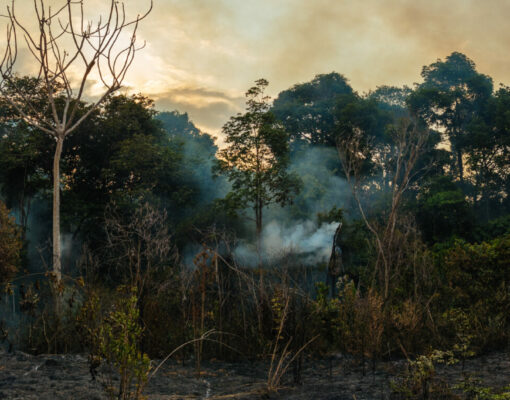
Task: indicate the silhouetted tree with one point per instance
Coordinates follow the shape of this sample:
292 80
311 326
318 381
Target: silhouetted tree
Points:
452 93
307 110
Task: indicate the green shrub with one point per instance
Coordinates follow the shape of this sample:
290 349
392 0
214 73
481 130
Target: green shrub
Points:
115 340
417 380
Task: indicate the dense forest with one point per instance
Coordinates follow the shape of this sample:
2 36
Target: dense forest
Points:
324 221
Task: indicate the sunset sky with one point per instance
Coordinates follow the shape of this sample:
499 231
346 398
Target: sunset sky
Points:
202 55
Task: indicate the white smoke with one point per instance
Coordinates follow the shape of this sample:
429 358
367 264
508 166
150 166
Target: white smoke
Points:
312 243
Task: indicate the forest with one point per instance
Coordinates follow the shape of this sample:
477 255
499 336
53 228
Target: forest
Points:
324 221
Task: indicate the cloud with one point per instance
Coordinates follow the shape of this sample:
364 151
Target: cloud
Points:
209 109
378 42
225 45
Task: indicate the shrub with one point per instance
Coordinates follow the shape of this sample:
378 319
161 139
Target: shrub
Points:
116 341
417 380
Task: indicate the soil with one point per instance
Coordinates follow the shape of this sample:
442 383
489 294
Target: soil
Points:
52 377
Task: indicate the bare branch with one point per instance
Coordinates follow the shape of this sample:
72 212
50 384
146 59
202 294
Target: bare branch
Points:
54 57
54 60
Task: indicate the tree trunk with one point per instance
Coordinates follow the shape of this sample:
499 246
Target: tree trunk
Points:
57 261
258 233
335 262
258 229
461 166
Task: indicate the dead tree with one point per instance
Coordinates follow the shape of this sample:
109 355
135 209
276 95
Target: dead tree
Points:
409 141
335 261
67 50
138 247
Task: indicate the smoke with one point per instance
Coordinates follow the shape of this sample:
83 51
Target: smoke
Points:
322 186
296 229
201 157
198 150
38 234
306 240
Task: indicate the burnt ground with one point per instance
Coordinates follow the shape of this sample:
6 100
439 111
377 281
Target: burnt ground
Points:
24 376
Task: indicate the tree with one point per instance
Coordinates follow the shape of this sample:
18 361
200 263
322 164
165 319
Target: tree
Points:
62 43
177 124
408 141
25 165
307 110
129 157
256 158
198 152
123 154
452 93
392 98
442 210
488 155
366 121
203 206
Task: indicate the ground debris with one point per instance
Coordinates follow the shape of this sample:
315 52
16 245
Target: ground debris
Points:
53 377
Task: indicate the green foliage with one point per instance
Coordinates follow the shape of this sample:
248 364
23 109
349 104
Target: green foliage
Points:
462 326
445 292
475 280
116 340
199 201
25 159
44 330
442 210
364 122
477 269
88 322
473 390
392 98
334 215
353 322
125 157
488 150
307 110
121 153
417 381
256 157
327 315
452 93
493 228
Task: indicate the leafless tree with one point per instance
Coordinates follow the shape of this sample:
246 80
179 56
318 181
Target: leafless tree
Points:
409 141
67 49
140 246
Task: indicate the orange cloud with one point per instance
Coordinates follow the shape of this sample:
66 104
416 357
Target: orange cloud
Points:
202 55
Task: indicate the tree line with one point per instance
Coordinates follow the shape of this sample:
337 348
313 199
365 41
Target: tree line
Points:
425 214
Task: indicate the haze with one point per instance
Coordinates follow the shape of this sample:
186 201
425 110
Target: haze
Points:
202 55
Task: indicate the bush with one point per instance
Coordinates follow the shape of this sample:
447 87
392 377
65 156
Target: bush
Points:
476 278
417 381
116 341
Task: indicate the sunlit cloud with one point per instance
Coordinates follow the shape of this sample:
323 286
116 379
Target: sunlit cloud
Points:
208 109
202 55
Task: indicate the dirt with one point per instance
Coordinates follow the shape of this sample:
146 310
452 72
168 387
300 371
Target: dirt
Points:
52 377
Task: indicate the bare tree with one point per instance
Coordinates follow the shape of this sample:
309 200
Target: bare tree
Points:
138 247
408 144
67 49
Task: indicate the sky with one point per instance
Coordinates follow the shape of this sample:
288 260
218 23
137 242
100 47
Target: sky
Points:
202 55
